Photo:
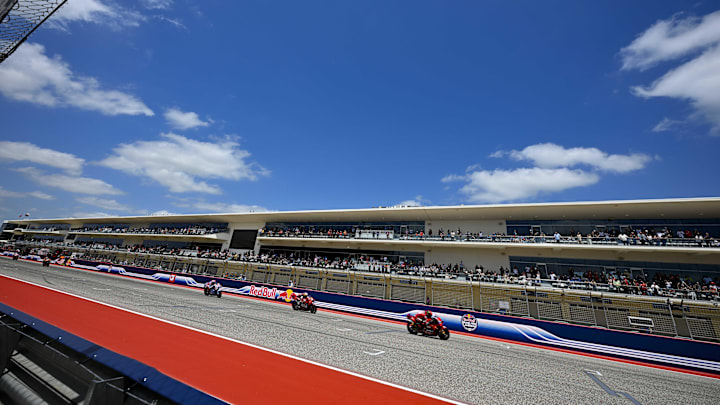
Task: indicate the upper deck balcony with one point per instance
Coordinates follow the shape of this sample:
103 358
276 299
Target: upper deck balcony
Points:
217 233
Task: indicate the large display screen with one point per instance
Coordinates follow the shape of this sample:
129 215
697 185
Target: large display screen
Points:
243 239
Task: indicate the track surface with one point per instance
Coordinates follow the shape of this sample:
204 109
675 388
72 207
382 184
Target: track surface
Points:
464 368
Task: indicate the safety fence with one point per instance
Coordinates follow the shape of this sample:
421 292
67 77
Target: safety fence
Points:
697 320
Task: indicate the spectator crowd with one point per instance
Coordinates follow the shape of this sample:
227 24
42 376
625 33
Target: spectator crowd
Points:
625 236
661 284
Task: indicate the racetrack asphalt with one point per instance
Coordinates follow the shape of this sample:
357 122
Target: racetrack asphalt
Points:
464 368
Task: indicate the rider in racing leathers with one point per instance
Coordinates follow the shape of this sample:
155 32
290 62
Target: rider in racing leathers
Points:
421 318
213 285
431 321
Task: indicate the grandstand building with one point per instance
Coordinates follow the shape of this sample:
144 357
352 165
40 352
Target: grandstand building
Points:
637 238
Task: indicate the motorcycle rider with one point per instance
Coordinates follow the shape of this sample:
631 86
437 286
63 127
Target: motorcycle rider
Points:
420 318
304 299
431 321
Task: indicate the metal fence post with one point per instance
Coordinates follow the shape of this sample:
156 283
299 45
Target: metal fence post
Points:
481 297
607 320
687 323
472 295
673 316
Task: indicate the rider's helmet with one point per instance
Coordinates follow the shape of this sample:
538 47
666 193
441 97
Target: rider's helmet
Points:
428 314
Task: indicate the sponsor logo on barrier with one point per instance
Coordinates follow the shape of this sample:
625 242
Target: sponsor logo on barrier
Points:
263 292
469 322
286 295
172 278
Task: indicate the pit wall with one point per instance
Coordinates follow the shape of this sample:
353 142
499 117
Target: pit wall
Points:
670 353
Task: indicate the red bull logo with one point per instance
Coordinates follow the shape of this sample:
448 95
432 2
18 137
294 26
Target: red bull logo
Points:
263 292
286 295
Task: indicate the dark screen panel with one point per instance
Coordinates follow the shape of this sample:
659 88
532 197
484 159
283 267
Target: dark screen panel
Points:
243 239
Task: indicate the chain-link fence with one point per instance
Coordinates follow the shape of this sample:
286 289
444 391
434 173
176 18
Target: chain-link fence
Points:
19 19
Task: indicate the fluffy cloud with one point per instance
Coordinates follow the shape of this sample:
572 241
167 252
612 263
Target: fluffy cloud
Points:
550 155
104 203
24 194
183 120
416 202
671 39
103 12
179 163
30 75
555 170
697 80
25 151
495 186
73 184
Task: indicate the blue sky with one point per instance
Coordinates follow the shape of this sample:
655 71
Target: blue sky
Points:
143 107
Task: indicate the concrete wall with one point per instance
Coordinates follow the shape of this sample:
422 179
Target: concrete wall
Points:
487 226
489 259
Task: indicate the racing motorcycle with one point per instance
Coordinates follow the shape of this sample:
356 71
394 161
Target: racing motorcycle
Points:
46 262
212 291
304 305
440 330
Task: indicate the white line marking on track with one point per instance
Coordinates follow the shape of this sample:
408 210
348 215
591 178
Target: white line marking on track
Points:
343 329
102 289
377 352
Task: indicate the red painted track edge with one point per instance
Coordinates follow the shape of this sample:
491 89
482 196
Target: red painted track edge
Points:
167 346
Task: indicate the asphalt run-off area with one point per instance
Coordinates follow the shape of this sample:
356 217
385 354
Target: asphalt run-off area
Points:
464 368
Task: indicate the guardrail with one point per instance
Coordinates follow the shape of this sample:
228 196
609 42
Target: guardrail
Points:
654 315
565 240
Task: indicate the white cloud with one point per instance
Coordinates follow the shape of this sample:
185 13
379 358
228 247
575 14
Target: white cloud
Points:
24 194
183 120
415 202
697 80
496 186
162 213
29 75
671 39
554 171
179 163
104 203
174 21
410 203
25 151
73 184
103 12
550 155
157 4
666 125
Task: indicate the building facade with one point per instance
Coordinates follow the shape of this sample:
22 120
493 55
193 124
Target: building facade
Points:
637 238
